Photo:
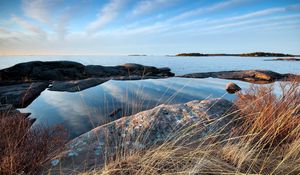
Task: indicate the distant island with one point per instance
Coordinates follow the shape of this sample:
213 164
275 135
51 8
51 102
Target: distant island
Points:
254 54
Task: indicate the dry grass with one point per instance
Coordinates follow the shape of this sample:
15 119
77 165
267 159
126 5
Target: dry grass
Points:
24 149
267 142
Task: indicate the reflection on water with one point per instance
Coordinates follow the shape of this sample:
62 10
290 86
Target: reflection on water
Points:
79 112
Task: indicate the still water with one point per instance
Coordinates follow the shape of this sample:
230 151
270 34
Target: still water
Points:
81 111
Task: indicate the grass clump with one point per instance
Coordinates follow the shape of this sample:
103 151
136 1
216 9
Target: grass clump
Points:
267 142
23 150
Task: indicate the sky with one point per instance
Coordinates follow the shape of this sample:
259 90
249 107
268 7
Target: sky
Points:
152 27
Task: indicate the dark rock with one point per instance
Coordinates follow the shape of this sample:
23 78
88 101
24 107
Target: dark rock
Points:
232 88
21 95
141 70
104 71
10 111
5 108
38 70
253 76
164 69
32 120
21 84
133 66
66 70
76 85
146 129
116 113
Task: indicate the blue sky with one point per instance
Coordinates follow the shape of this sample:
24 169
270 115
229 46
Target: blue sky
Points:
157 27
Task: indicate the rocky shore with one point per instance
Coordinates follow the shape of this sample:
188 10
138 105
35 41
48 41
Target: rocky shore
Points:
143 130
22 83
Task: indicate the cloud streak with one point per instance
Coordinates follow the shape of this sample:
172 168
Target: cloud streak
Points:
146 6
33 29
39 10
209 9
106 15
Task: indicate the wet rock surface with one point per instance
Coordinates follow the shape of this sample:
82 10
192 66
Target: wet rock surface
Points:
144 130
253 76
76 85
21 95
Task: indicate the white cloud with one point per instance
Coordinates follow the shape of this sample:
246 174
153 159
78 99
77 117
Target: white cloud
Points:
106 15
146 6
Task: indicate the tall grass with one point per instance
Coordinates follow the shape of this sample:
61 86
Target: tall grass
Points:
23 150
266 142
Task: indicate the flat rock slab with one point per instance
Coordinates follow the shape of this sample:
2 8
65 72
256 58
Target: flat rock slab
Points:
21 95
253 76
79 85
143 130
76 85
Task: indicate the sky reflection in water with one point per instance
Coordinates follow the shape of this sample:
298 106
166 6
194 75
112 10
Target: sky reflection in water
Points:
81 111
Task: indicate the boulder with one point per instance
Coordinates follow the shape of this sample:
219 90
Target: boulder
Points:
143 130
21 95
76 85
232 88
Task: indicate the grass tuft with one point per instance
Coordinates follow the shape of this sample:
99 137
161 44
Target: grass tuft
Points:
24 150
